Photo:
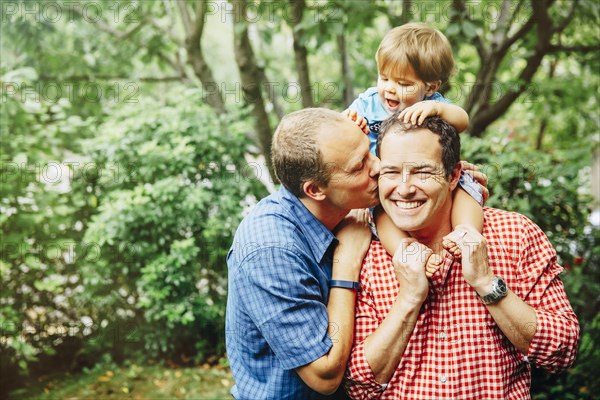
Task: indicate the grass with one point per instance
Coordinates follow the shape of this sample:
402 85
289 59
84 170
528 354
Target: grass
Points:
132 382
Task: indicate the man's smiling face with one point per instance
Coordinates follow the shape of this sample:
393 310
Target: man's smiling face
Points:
413 188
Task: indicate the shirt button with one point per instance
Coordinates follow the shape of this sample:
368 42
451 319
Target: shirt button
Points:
443 378
443 336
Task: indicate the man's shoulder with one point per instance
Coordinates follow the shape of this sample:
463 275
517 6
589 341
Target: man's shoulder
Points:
498 217
269 222
510 226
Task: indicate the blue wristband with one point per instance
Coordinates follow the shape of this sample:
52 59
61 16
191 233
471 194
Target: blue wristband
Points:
344 284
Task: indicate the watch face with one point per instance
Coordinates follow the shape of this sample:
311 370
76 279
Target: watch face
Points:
501 285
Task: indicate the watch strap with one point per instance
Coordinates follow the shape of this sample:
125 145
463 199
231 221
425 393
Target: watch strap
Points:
498 292
344 284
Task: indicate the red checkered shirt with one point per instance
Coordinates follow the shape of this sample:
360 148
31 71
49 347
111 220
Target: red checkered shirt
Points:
456 350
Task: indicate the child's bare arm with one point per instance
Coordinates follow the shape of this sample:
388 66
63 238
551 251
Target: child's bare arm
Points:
451 113
391 237
466 210
389 234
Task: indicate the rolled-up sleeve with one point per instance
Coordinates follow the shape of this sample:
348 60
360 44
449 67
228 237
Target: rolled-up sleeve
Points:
284 300
554 344
360 382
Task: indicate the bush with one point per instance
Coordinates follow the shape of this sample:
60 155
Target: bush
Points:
529 181
164 226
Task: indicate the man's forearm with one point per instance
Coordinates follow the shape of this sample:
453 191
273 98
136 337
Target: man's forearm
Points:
325 374
516 319
384 347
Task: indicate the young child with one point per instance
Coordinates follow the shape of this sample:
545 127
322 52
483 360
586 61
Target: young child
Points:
413 60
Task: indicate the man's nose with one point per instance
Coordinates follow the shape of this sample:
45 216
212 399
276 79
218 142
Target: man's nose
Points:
405 187
374 166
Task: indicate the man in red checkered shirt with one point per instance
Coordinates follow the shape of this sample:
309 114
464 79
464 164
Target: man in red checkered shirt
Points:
486 315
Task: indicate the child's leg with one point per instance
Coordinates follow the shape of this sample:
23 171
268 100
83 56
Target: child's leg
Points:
390 237
465 210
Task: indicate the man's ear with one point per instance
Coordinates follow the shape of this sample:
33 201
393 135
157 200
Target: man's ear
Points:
313 190
432 87
455 176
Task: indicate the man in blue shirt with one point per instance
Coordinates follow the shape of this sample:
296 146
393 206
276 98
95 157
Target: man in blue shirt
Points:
292 283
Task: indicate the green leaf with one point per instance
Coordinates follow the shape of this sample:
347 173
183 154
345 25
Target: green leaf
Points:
469 29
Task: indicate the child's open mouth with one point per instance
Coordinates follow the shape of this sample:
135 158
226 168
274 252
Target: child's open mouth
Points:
392 103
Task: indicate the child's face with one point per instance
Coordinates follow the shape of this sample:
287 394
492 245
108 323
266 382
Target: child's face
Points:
398 90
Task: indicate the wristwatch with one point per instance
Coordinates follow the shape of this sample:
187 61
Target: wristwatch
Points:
499 291
344 284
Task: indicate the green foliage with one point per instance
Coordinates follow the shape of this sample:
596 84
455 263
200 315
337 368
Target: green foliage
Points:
164 222
40 223
528 181
125 256
582 282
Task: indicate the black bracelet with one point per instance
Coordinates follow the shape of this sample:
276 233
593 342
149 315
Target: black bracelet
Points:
344 284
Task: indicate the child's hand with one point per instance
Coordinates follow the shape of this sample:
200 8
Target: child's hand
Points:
354 236
417 113
360 121
452 247
434 262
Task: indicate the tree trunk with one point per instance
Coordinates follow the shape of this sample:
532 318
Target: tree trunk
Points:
300 52
251 77
348 89
194 28
544 122
407 12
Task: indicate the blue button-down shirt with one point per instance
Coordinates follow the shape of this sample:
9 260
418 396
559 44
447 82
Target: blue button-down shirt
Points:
279 267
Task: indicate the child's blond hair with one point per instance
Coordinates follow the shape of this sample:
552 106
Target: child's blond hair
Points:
419 46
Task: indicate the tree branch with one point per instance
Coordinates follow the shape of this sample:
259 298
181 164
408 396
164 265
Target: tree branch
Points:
196 32
185 16
501 32
518 35
193 34
301 52
565 22
101 25
542 19
167 32
459 6
252 83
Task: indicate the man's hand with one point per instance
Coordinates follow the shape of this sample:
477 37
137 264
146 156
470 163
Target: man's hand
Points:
479 177
409 265
360 121
473 247
354 238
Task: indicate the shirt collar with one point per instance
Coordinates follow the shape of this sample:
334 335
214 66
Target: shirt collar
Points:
317 236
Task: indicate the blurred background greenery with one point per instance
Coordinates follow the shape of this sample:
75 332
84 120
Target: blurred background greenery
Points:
135 136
